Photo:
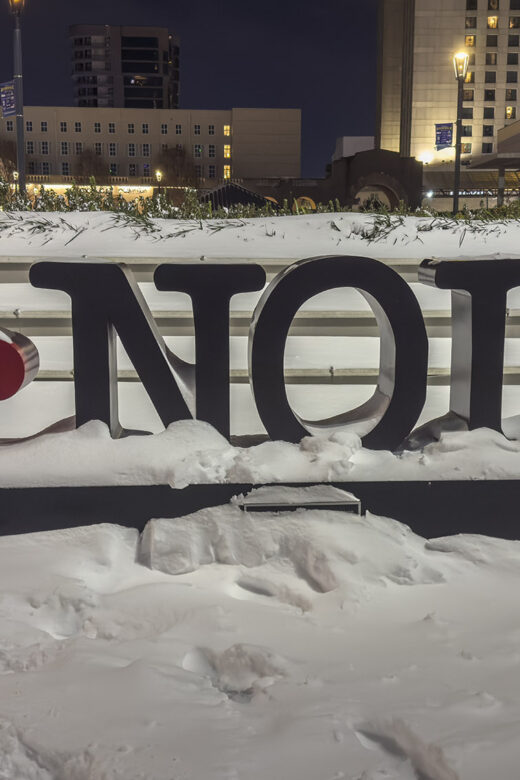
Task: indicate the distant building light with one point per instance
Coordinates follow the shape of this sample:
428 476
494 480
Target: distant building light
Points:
425 158
429 194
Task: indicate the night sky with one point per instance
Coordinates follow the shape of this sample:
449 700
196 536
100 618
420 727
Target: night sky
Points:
317 56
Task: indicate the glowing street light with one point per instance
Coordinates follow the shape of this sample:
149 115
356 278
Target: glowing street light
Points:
460 66
158 178
17 7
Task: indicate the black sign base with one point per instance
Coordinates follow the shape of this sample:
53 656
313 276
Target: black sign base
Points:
431 509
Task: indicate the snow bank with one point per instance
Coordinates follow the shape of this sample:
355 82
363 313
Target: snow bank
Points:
192 452
309 645
104 234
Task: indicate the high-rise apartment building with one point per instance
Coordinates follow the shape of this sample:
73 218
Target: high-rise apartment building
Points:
417 85
124 67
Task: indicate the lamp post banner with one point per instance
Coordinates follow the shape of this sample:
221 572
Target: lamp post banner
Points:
7 100
444 135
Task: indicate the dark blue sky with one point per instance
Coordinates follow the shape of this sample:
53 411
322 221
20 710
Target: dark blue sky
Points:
317 56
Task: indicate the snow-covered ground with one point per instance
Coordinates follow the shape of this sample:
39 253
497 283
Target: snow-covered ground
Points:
104 234
308 646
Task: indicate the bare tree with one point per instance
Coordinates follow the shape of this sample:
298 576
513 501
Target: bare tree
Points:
89 164
177 168
7 159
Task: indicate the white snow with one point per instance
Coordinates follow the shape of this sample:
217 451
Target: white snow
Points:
192 452
305 646
97 234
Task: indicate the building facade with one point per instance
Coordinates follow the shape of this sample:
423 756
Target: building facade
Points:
124 67
417 89
126 143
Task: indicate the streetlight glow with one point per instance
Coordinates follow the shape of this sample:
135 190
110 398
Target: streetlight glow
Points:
460 64
158 176
16 6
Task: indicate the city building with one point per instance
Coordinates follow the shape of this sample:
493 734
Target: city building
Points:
417 89
126 144
124 67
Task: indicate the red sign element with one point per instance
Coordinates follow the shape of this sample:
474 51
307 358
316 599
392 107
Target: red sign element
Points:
19 363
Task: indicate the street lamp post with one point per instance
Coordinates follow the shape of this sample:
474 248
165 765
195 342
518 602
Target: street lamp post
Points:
158 178
460 64
17 7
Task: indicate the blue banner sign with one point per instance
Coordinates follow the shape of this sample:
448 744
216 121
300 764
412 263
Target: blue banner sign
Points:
7 100
444 135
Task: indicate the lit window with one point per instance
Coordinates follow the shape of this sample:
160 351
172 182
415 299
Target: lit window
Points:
468 95
43 127
28 127
29 147
227 129
491 58
514 22
227 151
131 150
178 129
98 148
470 40
164 129
492 22
510 112
466 148
97 127
78 147
146 150
211 129
493 5
77 127
227 171
111 127
65 169
64 147
470 77
112 149
196 129
9 125
471 60
145 128
63 127
131 128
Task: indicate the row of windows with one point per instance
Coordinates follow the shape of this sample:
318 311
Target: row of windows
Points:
492 23
490 77
492 40
492 58
489 95
45 169
493 5
487 130
489 112
145 128
66 148
487 148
